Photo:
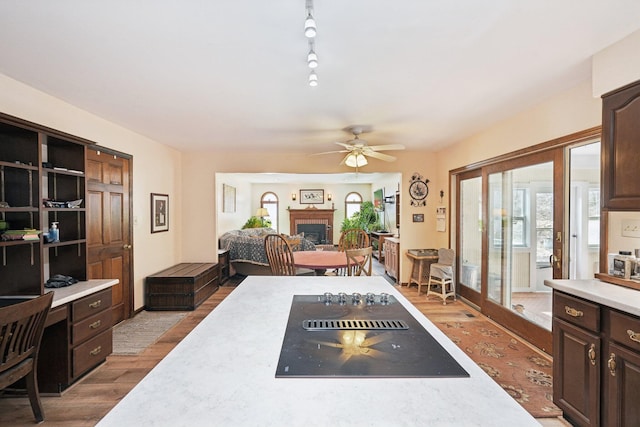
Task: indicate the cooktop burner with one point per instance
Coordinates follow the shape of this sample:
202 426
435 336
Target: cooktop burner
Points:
359 336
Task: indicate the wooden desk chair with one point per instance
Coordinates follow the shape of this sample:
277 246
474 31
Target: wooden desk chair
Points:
441 275
359 261
280 255
21 326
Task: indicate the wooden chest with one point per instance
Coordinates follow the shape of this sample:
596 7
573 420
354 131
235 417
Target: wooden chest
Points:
181 287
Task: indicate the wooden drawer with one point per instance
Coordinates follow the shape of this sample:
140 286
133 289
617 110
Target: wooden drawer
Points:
625 329
576 311
91 353
90 327
90 305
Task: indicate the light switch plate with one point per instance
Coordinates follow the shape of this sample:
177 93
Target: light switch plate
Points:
630 228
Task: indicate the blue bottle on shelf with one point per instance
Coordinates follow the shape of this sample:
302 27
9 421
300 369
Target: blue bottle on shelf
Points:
54 233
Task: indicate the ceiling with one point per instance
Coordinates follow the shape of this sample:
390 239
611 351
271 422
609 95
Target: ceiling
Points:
232 75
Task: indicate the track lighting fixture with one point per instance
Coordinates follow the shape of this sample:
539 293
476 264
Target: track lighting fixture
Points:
310 26
312 58
313 79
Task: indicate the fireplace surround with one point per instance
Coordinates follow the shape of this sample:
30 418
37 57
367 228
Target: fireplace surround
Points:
313 220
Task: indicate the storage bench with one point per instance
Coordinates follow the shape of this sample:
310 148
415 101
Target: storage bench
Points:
181 287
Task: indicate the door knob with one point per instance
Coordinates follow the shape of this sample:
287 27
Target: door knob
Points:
126 246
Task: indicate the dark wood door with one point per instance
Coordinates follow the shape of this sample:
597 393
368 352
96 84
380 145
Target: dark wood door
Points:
108 228
576 373
623 387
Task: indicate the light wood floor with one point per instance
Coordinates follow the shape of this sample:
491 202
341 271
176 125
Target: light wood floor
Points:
91 398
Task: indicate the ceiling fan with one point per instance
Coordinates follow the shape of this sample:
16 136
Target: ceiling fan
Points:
358 150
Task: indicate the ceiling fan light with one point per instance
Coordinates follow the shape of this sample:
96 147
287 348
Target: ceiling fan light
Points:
356 160
310 26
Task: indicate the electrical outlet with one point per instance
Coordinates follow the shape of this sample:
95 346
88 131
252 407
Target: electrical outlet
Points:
630 228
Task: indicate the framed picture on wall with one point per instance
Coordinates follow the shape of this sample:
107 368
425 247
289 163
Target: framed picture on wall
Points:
159 212
309 197
418 217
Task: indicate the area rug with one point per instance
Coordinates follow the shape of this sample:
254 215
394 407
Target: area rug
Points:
520 371
134 335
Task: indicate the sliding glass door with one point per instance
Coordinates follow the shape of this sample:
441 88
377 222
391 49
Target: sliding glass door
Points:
470 235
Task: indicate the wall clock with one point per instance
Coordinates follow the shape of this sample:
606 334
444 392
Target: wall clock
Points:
418 190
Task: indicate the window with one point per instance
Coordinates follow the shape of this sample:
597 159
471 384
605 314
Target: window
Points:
519 217
269 201
352 204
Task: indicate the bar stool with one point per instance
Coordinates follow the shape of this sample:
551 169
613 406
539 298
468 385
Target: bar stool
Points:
441 275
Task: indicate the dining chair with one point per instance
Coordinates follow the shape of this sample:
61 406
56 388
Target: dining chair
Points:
21 327
359 261
353 238
280 255
441 276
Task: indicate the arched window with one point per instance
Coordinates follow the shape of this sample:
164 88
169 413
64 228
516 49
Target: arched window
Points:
352 204
269 201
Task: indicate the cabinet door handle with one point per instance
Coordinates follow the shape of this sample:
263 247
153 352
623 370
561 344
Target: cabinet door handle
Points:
573 312
633 336
612 364
96 324
96 304
592 354
96 351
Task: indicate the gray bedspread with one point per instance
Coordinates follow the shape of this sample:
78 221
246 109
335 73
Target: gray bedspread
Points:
248 245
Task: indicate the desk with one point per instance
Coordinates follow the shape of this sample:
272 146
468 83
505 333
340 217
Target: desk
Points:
320 261
223 374
421 260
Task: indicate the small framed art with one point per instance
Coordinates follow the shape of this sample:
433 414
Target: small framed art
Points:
159 212
418 217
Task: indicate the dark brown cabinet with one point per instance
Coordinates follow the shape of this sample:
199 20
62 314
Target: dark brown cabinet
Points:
377 242
621 148
596 353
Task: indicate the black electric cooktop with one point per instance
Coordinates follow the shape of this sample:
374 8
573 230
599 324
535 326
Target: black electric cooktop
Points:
346 336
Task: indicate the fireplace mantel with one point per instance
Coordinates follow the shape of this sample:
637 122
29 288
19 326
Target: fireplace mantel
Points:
312 216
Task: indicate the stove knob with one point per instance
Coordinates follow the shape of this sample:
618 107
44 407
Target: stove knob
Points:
370 298
356 298
342 298
384 298
328 298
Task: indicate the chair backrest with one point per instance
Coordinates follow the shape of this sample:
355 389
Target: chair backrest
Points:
446 256
280 255
354 238
359 261
21 326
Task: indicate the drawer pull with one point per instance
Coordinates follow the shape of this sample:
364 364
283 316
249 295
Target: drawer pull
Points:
592 354
612 364
96 351
96 324
573 312
634 336
96 304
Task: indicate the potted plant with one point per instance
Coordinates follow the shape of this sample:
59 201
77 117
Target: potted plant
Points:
366 219
257 222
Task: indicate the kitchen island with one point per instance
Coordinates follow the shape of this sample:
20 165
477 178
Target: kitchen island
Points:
223 374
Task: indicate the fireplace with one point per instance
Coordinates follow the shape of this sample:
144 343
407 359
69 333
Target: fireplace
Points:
317 233
317 224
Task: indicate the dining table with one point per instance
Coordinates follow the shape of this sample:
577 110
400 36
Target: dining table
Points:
320 261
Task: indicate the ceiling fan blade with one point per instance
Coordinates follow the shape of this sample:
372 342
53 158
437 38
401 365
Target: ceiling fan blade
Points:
330 152
376 155
347 146
386 147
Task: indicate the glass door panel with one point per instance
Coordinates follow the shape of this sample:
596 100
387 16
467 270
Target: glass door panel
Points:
520 247
470 237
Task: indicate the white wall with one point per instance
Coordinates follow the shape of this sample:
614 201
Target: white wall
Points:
617 65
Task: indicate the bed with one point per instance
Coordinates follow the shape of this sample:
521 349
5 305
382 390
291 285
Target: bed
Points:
246 249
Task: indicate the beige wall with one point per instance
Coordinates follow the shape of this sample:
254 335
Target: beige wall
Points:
156 168
617 65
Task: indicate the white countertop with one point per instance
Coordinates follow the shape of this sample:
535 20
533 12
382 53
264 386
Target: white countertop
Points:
78 290
614 296
223 374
